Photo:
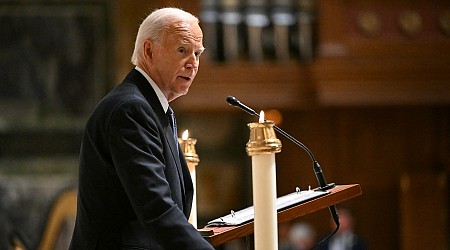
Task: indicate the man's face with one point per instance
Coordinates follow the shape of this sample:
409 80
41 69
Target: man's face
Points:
176 60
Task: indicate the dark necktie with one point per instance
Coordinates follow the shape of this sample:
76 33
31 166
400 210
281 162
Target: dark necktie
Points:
173 124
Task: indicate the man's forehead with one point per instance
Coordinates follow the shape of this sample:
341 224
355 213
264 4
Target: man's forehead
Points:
185 27
186 36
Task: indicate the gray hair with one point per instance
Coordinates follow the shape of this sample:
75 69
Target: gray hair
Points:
155 25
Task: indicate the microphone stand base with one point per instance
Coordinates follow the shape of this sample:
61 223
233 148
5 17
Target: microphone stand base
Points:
326 187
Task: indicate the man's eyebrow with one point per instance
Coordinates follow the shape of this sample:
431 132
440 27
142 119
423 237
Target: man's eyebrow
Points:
184 42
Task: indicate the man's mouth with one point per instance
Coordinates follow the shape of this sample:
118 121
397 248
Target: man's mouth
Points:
186 78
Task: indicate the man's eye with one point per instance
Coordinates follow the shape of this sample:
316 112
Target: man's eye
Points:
182 50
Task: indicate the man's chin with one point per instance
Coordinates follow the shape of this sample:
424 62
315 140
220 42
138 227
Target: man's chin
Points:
184 92
184 89
180 93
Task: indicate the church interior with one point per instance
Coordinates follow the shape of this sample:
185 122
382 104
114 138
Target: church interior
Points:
364 84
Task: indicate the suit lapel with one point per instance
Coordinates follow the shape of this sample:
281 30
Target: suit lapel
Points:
153 100
173 148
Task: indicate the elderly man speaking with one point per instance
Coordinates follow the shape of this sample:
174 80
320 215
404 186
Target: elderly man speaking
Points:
135 190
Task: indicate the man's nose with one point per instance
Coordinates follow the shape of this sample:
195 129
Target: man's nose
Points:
192 62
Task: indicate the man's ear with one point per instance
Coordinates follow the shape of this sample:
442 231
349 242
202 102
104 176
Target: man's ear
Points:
148 49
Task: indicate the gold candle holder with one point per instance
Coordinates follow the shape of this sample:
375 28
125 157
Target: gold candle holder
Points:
188 147
262 139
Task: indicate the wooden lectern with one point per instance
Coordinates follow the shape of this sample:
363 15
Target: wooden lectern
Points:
217 235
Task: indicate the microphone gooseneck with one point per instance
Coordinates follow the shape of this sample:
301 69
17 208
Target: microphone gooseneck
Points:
235 102
316 166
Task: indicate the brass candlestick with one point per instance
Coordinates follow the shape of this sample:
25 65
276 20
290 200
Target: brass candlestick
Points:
262 139
187 145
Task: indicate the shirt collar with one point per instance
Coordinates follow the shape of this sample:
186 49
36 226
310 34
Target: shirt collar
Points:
162 98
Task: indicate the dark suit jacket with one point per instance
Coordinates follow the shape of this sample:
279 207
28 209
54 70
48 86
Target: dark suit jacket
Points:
135 190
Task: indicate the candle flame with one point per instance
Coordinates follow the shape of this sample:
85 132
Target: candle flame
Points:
185 135
261 117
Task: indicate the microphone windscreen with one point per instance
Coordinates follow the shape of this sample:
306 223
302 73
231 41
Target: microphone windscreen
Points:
235 102
232 100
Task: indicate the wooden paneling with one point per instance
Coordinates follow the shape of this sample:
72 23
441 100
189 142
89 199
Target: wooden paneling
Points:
265 86
373 146
424 198
382 82
387 68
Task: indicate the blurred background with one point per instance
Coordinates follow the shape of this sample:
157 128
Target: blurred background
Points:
365 84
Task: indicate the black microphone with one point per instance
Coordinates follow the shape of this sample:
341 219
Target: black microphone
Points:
235 102
316 166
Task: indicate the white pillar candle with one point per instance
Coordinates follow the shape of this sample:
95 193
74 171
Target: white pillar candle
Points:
193 215
264 201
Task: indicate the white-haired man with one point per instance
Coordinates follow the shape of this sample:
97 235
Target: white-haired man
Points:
135 190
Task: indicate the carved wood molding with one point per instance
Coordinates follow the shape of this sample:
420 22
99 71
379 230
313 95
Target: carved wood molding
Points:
263 85
382 82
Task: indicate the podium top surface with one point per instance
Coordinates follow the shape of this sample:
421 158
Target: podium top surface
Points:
217 235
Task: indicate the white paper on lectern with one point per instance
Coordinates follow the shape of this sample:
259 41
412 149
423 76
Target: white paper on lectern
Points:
283 202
